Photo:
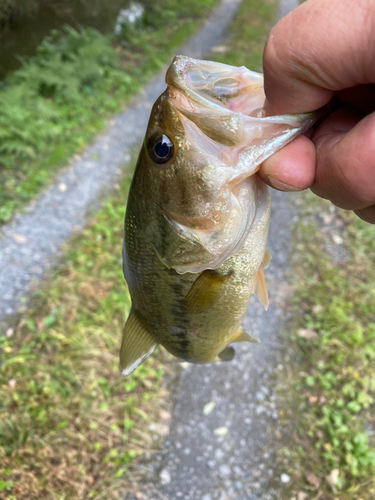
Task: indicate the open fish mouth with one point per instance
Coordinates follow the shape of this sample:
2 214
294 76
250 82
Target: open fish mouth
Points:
226 103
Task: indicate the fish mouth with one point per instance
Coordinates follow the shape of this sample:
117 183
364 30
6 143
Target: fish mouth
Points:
226 102
217 86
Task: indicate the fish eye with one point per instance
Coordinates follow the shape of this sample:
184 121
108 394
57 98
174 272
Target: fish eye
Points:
161 149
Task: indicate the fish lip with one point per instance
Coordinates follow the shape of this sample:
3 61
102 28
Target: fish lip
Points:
177 79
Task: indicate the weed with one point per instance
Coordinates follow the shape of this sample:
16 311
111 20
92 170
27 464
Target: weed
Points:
70 426
59 99
335 388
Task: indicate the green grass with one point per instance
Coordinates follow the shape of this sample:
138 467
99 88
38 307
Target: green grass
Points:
70 426
334 389
248 34
53 105
328 405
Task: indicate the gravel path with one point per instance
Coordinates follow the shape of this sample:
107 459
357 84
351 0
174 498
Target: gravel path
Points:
31 244
224 429
228 454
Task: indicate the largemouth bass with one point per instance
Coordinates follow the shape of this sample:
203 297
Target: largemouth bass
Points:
197 217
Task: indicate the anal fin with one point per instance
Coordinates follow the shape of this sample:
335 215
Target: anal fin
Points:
241 335
227 354
137 343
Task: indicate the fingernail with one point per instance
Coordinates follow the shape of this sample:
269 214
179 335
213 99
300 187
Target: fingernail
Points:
280 185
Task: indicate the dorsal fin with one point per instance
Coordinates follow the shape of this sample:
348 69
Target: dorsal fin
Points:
205 290
137 343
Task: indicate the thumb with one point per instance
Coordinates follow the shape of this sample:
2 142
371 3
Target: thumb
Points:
319 48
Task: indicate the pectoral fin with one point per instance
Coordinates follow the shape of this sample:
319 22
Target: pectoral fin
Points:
205 291
137 343
267 259
260 288
241 335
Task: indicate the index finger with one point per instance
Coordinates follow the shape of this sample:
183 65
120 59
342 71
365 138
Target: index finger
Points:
321 47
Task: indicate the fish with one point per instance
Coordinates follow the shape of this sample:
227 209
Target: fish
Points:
197 215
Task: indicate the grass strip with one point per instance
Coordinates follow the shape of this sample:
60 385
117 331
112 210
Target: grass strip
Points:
247 36
332 394
70 426
58 100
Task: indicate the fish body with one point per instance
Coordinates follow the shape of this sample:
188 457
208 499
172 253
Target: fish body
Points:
197 217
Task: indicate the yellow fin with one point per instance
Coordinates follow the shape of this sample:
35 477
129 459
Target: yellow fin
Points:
205 290
241 335
227 354
267 259
260 288
137 344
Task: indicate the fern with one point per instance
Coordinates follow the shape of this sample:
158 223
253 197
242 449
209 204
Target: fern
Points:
67 65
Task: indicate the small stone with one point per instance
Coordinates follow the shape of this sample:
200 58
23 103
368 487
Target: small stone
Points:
332 479
285 478
301 495
259 396
211 464
9 333
220 49
207 497
237 471
224 471
221 431
207 409
62 187
19 238
307 333
313 479
12 383
337 240
318 309
260 409
165 476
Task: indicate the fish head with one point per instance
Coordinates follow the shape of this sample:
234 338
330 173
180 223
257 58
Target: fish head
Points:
206 138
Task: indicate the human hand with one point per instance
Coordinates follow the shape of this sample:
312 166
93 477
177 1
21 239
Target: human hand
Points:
324 52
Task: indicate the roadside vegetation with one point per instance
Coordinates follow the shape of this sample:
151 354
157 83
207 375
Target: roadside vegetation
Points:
60 98
70 427
248 34
332 393
328 403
